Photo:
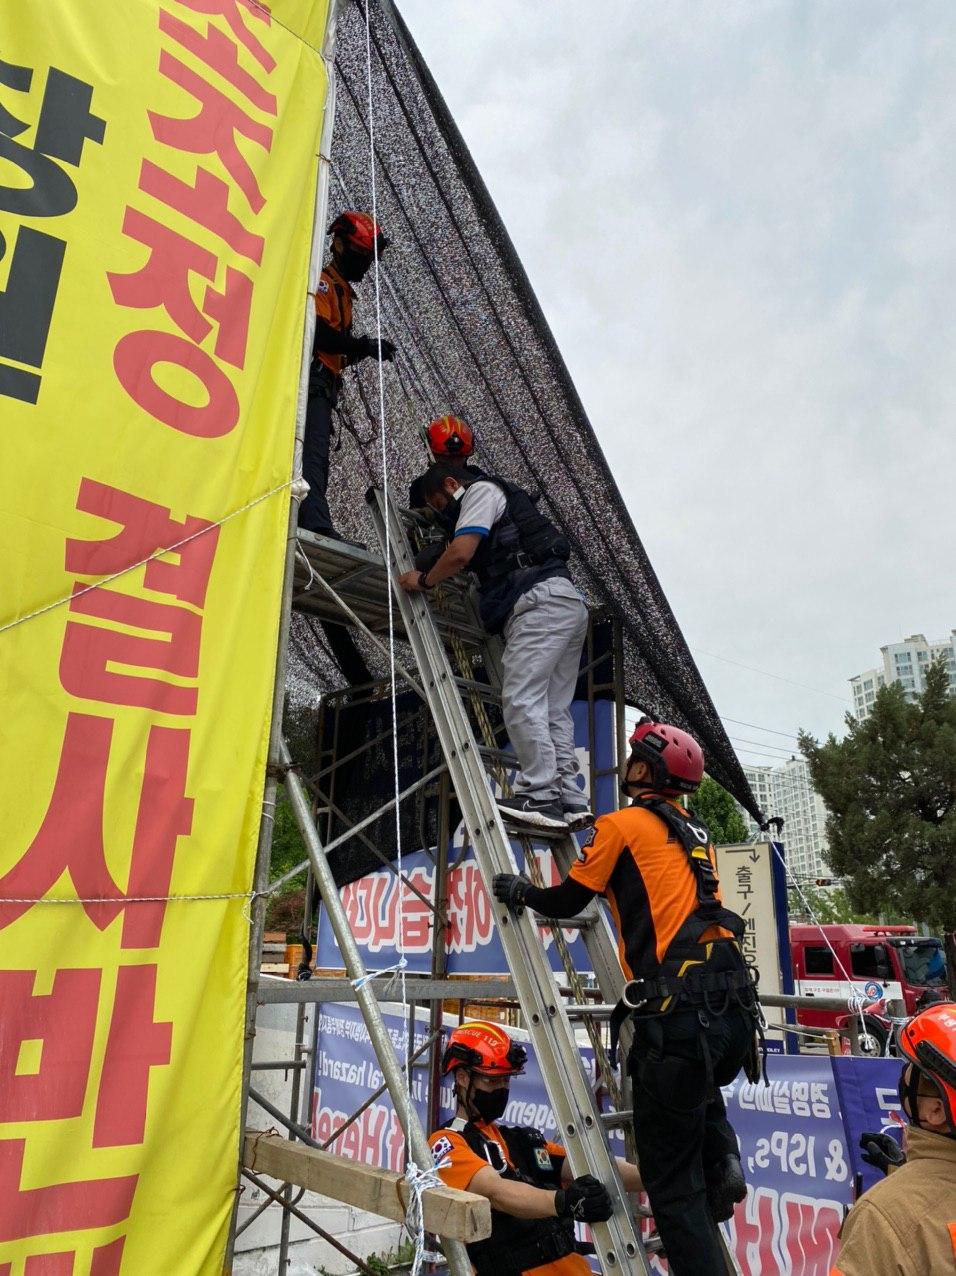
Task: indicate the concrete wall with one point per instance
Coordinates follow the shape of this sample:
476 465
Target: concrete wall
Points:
257 1249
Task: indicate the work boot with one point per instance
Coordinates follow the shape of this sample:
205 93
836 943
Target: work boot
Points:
726 1186
541 813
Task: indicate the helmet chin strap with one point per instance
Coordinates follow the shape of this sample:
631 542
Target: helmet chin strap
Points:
466 1100
910 1096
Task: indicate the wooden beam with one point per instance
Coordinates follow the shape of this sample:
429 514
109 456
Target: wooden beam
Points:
460 1216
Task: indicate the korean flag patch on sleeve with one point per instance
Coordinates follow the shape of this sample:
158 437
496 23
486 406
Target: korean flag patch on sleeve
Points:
542 1158
440 1149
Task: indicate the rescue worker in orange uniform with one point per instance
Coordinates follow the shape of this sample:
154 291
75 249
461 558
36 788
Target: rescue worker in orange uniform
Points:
534 1200
354 238
906 1225
690 993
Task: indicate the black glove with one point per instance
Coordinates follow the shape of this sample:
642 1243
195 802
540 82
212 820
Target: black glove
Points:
881 1151
387 348
510 889
585 1200
369 350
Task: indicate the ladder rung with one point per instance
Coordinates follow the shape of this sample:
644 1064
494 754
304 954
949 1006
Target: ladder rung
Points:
611 1119
526 830
585 921
596 1010
481 688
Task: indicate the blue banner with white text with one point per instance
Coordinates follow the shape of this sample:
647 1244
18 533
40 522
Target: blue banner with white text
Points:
798 1135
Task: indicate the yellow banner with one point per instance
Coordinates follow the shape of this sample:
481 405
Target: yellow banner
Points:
157 190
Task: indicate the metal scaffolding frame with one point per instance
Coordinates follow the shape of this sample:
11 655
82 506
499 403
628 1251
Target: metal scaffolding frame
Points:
345 585
340 584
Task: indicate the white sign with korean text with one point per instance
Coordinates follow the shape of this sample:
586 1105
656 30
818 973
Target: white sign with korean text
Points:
746 884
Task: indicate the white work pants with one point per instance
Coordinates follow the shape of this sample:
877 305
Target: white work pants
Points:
543 640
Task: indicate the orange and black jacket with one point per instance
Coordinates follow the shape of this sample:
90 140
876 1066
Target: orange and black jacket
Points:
638 865
334 345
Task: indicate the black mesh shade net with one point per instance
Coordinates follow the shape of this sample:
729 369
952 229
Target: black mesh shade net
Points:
472 340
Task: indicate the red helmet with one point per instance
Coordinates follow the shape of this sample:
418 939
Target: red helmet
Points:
675 758
929 1042
483 1048
359 232
450 436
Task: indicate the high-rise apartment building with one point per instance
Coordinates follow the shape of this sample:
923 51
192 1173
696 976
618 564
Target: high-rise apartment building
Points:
787 791
904 662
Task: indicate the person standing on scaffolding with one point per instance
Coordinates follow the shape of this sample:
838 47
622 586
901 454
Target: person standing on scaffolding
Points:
354 237
526 594
691 996
535 1202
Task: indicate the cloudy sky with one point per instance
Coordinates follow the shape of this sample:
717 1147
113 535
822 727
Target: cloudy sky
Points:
739 220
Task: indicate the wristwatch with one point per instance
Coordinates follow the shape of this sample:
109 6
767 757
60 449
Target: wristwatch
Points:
423 581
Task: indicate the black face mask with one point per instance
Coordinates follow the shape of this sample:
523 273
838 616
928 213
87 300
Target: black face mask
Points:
490 1104
353 266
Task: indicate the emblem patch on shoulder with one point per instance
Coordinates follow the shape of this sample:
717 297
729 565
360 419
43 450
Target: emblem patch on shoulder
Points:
440 1149
542 1158
588 841
323 285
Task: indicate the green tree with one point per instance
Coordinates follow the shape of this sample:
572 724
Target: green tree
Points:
829 905
890 789
284 909
288 849
719 812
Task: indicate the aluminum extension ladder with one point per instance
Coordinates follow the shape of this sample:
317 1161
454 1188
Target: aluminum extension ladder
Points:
599 941
582 1128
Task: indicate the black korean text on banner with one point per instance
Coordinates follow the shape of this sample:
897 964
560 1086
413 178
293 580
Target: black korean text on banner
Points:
44 155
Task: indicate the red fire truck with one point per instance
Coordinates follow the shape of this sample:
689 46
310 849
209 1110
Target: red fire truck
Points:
891 963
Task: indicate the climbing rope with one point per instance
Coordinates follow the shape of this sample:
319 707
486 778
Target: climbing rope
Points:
418 1177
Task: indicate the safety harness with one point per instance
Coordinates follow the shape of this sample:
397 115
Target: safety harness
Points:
517 1245
686 975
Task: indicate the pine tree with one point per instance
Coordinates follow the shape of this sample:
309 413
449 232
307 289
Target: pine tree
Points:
890 789
720 813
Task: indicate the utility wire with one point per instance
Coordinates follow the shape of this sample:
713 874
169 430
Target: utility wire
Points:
756 727
774 757
767 674
762 744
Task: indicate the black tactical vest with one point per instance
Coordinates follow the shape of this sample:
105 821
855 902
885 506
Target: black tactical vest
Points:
521 549
517 1245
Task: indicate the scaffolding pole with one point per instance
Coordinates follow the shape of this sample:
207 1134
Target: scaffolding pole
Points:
458 1261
